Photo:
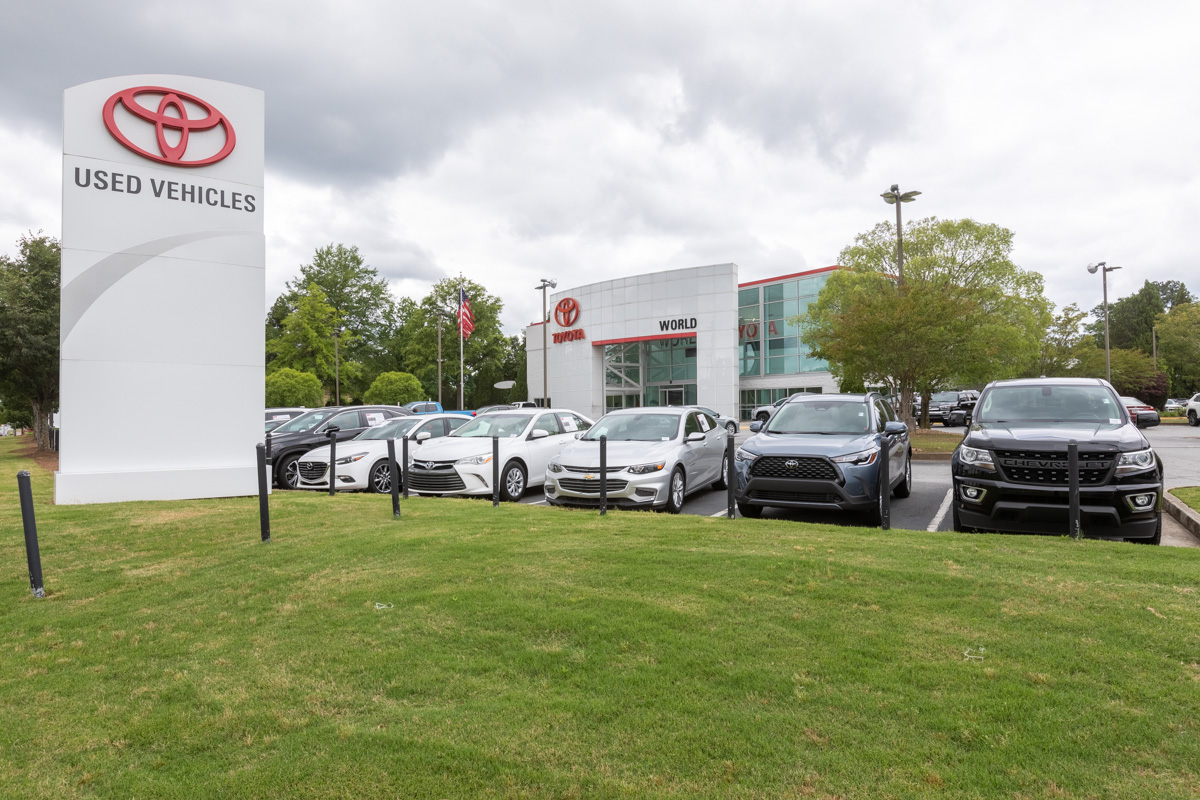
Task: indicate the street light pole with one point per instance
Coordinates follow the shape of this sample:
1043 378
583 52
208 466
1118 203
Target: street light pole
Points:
1104 270
546 283
894 197
337 387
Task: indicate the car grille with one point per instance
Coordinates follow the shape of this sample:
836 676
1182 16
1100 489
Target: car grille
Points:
434 476
1024 466
584 486
313 470
793 467
609 467
794 497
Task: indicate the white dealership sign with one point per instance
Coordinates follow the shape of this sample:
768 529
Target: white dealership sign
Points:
163 290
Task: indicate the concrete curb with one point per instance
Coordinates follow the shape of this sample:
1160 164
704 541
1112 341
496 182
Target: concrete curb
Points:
1188 518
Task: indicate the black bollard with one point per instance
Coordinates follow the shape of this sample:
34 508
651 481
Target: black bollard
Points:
264 510
730 477
1074 525
603 475
268 445
332 434
495 471
32 555
394 470
885 485
404 456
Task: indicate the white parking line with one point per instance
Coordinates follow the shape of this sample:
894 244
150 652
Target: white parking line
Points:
941 514
720 513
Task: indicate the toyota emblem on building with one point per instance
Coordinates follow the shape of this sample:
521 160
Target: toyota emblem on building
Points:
566 312
171 124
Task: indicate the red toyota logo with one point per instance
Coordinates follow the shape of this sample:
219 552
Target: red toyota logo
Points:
168 100
566 312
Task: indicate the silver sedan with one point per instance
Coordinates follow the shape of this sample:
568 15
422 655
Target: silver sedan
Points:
655 457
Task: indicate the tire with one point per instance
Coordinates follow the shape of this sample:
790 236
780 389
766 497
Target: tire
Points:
1193 420
288 476
749 511
875 515
379 480
1156 538
763 416
721 483
904 488
732 428
512 482
676 491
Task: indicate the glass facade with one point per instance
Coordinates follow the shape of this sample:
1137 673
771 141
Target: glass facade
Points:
753 398
768 338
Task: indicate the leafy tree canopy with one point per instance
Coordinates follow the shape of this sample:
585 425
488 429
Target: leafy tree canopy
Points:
1130 320
305 342
394 388
1179 348
290 388
1133 373
29 326
965 313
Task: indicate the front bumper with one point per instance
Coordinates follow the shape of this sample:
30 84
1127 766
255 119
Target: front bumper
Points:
456 479
350 477
852 490
624 490
1105 512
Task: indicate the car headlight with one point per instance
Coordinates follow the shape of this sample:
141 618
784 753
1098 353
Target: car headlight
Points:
555 467
644 469
474 460
350 459
976 457
862 457
744 455
1135 462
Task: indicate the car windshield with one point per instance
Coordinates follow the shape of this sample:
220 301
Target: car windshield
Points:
504 426
391 430
944 397
1048 404
648 427
822 416
306 422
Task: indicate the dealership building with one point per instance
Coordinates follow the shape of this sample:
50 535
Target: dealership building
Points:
679 337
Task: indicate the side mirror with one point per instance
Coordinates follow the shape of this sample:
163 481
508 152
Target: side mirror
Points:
890 428
578 434
538 433
695 436
755 426
332 429
423 435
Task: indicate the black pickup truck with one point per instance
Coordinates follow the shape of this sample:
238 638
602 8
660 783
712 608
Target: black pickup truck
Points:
1010 472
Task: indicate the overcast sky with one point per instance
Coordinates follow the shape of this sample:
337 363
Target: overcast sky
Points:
583 141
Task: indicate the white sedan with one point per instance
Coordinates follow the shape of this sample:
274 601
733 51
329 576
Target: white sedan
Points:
362 462
461 463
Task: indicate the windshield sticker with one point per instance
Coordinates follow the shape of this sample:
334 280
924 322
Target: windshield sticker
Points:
568 424
375 418
704 426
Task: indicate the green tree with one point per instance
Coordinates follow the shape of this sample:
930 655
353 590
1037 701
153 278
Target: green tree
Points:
1064 338
29 327
306 341
1130 320
1133 373
965 313
482 352
1173 293
290 388
394 388
1179 348
360 298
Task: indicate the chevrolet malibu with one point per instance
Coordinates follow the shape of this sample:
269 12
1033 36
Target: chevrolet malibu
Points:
821 451
654 458
362 462
461 463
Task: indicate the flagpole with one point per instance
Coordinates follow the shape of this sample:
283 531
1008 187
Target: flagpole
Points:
461 407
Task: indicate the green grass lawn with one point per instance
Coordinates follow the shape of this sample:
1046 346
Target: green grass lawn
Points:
932 441
1189 495
529 652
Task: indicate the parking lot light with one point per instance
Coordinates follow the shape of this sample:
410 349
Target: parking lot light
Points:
1094 268
894 197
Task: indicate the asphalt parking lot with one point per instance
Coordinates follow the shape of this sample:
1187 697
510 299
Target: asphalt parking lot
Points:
927 508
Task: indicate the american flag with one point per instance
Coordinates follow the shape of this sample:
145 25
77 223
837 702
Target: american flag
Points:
466 320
